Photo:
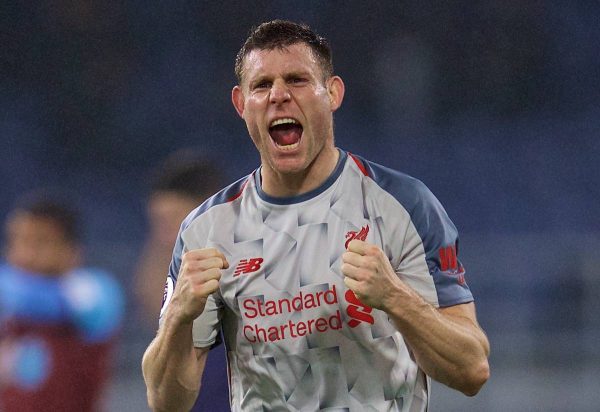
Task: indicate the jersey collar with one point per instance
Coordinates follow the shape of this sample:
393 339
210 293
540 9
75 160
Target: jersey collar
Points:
305 196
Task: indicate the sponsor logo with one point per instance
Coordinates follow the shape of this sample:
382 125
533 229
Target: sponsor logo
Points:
448 258
449 263
269 320
360 235
358 311
246 266
257 309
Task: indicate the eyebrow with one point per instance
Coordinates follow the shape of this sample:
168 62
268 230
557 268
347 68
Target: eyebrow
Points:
286 76
302 73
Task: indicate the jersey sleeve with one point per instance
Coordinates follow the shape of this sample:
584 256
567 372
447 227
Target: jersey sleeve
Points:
205 331
426 249
434 238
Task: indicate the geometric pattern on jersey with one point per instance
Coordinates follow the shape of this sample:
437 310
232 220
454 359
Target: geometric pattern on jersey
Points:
296 341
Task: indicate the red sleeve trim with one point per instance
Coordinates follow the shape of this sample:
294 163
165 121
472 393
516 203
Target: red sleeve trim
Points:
238 194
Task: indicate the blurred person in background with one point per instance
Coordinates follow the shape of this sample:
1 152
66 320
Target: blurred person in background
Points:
179 184
58 319
334 281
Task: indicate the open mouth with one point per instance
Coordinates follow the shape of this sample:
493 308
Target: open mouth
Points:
286 133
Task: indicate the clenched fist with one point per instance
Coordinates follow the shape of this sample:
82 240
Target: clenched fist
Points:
369 274
199 276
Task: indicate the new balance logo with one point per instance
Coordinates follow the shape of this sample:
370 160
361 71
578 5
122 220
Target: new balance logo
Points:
248 266
360 235
358 311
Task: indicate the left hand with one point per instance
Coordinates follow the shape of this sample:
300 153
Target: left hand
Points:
369 274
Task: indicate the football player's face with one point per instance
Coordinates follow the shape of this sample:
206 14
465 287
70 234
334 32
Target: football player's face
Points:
38 245
288 107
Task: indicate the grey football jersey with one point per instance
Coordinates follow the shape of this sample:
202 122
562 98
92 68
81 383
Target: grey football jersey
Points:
297 339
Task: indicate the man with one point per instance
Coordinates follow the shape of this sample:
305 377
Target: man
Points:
334 280
57 320
181 182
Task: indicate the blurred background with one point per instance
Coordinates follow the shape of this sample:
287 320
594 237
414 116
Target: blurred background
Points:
495 105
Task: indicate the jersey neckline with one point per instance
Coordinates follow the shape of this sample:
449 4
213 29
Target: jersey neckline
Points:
337 171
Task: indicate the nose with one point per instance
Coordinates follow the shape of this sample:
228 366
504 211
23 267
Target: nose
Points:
280 93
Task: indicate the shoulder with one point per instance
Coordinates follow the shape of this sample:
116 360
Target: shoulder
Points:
227 195
409 191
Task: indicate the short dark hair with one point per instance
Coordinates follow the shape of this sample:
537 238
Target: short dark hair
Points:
280 34
189 173
54 207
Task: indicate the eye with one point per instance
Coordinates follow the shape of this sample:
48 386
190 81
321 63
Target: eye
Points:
297 80
262 85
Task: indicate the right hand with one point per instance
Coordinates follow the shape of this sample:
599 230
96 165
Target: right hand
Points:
198 277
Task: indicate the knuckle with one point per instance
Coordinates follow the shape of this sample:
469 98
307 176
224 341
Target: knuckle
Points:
372 250
211 251
198 291
216 262
188 267
205 276
363 273
209 287
197 266
214 273
371 264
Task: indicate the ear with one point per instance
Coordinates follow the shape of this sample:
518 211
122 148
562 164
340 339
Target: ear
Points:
237 98
336 89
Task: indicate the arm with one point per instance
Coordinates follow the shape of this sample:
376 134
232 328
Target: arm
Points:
90 299
171 366
448 343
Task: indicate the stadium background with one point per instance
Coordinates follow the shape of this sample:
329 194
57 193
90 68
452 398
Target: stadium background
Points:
493 104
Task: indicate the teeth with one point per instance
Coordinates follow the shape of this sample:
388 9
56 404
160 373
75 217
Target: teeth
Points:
289 146
285 120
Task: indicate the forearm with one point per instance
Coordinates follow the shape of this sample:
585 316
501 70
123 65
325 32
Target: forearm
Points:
172 367
450 348
172 370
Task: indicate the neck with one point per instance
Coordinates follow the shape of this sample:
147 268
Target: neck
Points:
295 184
